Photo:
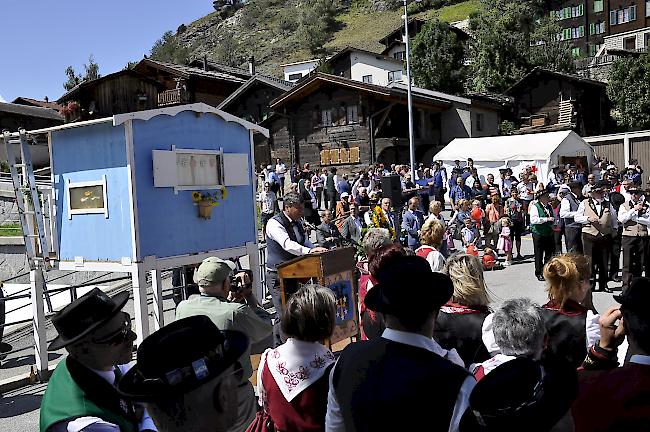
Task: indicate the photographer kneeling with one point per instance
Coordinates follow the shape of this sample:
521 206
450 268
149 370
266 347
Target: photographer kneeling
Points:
231 305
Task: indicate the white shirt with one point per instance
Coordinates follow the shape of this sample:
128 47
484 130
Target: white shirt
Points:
535 218
334 418
524 192
565 208
633 215
280 169
278 233
268 201
95 424
581 218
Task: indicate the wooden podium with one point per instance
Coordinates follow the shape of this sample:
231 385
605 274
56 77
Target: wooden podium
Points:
335 270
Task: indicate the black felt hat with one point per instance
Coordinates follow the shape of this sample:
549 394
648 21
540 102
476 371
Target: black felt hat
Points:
520 395
541 193
408 285
84 315
181 357
601 185
636 297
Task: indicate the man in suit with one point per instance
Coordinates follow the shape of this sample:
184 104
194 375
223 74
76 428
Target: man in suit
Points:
352 226
327 234
404 370
611 397
412 223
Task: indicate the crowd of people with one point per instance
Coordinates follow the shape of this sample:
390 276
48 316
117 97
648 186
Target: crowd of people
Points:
435 351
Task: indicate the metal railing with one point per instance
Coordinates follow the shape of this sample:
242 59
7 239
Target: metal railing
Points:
173 97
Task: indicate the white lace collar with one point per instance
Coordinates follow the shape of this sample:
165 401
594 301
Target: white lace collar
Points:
296 365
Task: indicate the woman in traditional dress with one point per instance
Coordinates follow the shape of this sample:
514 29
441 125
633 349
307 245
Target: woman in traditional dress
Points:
431 236
293 379
460 321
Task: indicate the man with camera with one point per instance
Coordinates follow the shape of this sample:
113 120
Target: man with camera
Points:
231 305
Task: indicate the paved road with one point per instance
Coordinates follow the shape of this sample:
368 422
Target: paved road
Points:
19 409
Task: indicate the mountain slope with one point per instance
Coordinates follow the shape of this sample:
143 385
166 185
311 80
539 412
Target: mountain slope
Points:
268 30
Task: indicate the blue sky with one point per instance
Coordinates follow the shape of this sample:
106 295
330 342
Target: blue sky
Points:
40 38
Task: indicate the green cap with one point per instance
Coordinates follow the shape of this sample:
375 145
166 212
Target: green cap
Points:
212 271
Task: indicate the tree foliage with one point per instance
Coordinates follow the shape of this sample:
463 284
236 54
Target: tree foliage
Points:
91 72
167 49
629 91
501 51
437 58
317 22
228 52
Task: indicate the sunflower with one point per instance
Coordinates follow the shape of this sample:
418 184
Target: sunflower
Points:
196 196
224 192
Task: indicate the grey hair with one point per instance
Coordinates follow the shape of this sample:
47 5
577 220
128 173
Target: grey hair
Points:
374 239
292 199
519 329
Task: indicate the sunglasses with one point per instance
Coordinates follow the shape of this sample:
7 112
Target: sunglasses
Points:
119 336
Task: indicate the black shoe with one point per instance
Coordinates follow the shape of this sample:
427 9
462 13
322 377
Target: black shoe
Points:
540 278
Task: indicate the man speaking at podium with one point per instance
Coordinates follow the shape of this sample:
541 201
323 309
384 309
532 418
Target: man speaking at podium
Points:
285 239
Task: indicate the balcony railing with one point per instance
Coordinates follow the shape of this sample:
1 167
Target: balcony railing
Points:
602 60
173 97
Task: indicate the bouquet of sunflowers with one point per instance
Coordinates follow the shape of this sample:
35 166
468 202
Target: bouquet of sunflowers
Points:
207 200
378 220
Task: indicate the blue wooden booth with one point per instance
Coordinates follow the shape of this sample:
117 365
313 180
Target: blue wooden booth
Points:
154 190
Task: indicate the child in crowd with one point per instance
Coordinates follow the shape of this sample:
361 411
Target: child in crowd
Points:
505 241
490 259
470 234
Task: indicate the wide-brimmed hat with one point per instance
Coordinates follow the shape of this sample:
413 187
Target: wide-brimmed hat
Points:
520 395
181 357
541 193
85 315
637 296
406 285
600 186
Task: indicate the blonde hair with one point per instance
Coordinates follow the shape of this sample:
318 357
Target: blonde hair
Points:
432 233
461 203
476 203
435 205
505 221
466 273
564 274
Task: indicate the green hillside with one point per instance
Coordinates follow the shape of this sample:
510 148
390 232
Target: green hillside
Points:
268 30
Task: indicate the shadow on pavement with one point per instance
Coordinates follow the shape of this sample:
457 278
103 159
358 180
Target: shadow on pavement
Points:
20 404
26 360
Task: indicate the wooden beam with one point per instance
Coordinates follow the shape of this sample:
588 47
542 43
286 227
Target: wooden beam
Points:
383 119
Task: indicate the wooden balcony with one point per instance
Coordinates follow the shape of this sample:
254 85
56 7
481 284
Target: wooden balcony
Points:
173 97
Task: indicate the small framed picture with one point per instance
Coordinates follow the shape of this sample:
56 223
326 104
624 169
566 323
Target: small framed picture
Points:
87 197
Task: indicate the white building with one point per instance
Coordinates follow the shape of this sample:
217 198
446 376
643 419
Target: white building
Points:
631 41
368 67
295 71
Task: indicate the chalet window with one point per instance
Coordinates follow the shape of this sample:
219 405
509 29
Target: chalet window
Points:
316 117
353 114
592 28
339 118
647 8
632 10
87 197
395 76
612 17
629 43
646 40
575 52
598 5
367 79
326 118
399 55
600 27
581 31
295 76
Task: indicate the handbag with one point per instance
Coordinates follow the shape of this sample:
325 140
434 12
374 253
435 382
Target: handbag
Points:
263 421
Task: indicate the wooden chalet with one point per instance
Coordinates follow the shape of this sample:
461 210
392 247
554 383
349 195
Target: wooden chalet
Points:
37 103
546 100
16 116
120 92
252 102
188 84
395 47
329 120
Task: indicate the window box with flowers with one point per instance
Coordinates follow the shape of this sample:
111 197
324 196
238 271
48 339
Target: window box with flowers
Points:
207 201
71 111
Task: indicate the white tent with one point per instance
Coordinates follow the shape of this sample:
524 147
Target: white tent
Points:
540 150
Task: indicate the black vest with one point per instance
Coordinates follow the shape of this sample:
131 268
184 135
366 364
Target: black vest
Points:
382 385
463 332
567 334
329 183
275 254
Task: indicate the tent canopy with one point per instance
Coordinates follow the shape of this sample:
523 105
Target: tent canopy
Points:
516 151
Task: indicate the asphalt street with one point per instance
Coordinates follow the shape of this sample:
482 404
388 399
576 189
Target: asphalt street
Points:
19 409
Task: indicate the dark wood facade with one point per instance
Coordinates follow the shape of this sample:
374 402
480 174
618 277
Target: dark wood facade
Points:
252 102
331 121
117 93
16 116
543 97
